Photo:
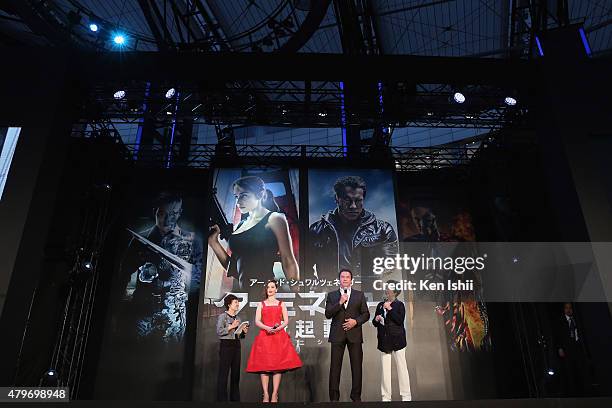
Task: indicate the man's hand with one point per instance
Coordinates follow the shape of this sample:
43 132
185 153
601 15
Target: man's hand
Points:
561 353
349 324
343 299
379 318
387 305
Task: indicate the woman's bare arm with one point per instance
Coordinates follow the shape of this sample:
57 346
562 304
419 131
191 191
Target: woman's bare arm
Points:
278 224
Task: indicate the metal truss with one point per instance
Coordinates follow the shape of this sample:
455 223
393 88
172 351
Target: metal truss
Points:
208 155
186 25
306 104
530 17
420 159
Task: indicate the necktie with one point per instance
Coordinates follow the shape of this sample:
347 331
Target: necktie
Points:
572 327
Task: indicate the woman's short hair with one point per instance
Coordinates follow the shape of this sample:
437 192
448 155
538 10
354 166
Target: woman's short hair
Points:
228 300
395 286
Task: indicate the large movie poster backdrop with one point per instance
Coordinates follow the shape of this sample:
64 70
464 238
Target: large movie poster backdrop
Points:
357 206
450 336
282 196
429 215
245 250
147 352
351 221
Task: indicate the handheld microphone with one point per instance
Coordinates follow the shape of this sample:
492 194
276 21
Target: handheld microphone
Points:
345 293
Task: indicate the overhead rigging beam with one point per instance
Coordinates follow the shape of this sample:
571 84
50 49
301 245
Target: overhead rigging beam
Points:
145 6
162 22
309 26
186 66
349 28
36 23
212 26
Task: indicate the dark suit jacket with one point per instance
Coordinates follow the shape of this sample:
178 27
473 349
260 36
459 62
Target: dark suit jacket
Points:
357 309
562 335
391 335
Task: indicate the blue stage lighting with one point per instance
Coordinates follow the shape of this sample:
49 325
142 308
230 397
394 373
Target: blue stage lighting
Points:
540 49
93 27
585 42
119 39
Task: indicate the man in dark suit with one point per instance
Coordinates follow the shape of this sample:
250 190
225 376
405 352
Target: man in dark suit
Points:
348 310
569 340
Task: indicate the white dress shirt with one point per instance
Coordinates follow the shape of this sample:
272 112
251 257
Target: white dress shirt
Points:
348 294
568 318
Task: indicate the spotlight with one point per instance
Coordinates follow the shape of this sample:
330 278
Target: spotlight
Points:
515 260
93 27
170 93
550 371
322 114
119 39
459 97
119 94
50 378
87 265
510 101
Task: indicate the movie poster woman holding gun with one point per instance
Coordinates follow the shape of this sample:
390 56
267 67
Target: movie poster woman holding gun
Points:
259 240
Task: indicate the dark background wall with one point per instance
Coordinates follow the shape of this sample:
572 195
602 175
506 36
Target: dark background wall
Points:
559 192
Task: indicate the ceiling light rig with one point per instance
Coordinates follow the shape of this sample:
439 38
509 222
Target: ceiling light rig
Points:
170 93
458 97
510 101
119 39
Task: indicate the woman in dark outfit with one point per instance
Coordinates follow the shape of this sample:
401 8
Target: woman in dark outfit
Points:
257 241
229 349
389 321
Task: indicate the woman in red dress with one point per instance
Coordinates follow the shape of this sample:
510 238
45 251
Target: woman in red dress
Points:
272 352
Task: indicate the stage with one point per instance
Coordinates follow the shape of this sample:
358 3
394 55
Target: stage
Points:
490 403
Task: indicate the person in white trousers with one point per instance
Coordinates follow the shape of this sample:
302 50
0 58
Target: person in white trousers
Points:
389 321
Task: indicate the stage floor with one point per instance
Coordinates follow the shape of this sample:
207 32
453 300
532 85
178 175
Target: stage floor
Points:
500 403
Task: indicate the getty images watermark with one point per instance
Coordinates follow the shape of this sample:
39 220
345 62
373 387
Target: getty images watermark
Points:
500 271
411 264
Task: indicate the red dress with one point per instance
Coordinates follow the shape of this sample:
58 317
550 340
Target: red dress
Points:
272 352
